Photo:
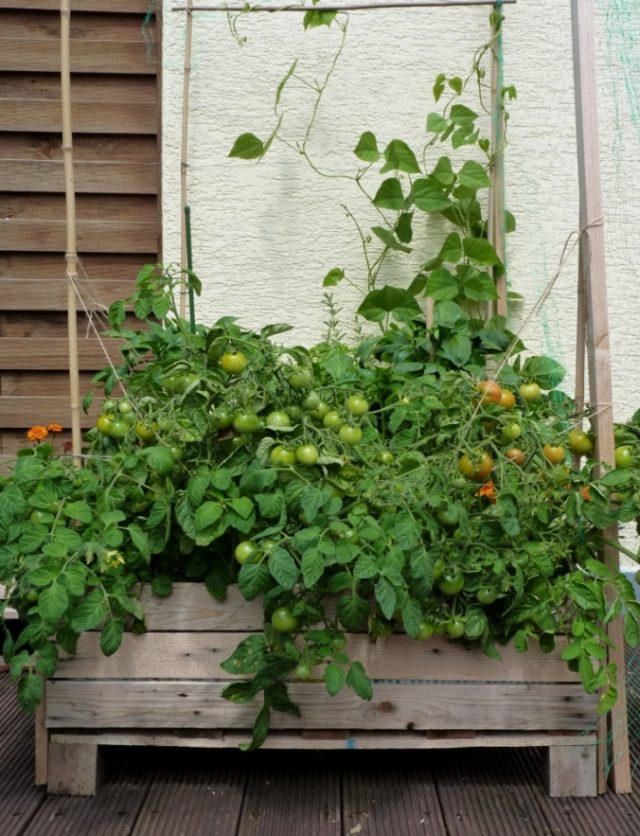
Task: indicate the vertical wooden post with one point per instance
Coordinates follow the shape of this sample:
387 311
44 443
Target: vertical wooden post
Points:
592 260
71 252
496 194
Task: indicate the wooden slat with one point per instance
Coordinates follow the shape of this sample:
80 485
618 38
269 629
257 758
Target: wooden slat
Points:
198 656
27 411
86 148
13 440
35 353
26 383
38 55
85 89
109 118
386 740
140 7
45 26
93 236
97 177
51 295
191 607
89 207
18 266
160 704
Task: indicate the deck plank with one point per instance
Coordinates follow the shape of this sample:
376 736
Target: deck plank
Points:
190 792
291 795
381 796
481 795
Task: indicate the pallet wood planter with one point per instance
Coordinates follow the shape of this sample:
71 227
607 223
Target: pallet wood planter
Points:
163 689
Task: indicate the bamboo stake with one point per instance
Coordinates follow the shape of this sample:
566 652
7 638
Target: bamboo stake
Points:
184 153
598 347
496 194
71 252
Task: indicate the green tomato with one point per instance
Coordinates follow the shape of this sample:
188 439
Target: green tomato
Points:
486 595
579 442
124 408
183 382
511 432
110 405
384 456
103 424
425 631
283 620
222 418
233 362
455 628
246 422
338 642
244 550
379 626
307 454
278 419
530 391
451 582
357 405
438 569
302 672
312 401
448 517
118 428
624 456
146 432
295 412
300 378
281 457
349 434
333 420
320 411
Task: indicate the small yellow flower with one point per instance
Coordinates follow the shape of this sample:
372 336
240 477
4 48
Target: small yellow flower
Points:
112 559
37 433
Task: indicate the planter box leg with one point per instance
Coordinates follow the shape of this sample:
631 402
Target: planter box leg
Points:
74 768
571 771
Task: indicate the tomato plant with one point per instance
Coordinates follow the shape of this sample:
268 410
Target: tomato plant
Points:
476 466
624 456
283 620
530 391
307 454
579 442
555 454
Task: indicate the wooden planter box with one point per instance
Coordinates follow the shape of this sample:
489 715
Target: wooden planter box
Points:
163 689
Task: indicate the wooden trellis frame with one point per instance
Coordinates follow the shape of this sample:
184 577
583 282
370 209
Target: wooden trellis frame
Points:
593 317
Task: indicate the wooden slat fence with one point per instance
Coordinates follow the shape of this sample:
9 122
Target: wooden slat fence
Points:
115 101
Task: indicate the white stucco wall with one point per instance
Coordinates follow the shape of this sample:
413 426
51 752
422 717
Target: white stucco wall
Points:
266 233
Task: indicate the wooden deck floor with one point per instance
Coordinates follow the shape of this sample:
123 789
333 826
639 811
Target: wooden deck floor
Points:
159 792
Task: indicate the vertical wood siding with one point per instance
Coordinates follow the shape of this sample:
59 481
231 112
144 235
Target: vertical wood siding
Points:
115 101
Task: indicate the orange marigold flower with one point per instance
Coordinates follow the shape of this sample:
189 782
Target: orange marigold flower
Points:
55 428
488 490
586 493
37 433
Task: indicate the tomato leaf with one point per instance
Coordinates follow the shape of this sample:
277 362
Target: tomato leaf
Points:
352 610
358 680
334 679
111 636
248 657
53 603
283 568
312 567
253 579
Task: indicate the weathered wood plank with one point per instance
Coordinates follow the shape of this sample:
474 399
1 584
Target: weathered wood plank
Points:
86 148
190 607
18 266
194 794
24 23
140 7
39 55
382 798
198 656
109 118
53 353
97 177
93 236
73 768
51 294
25 411
28 384
304 801
370 741
160 704
29 207
571 770
85 89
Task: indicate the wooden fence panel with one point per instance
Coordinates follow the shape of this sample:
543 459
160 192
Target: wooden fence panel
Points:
115 111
